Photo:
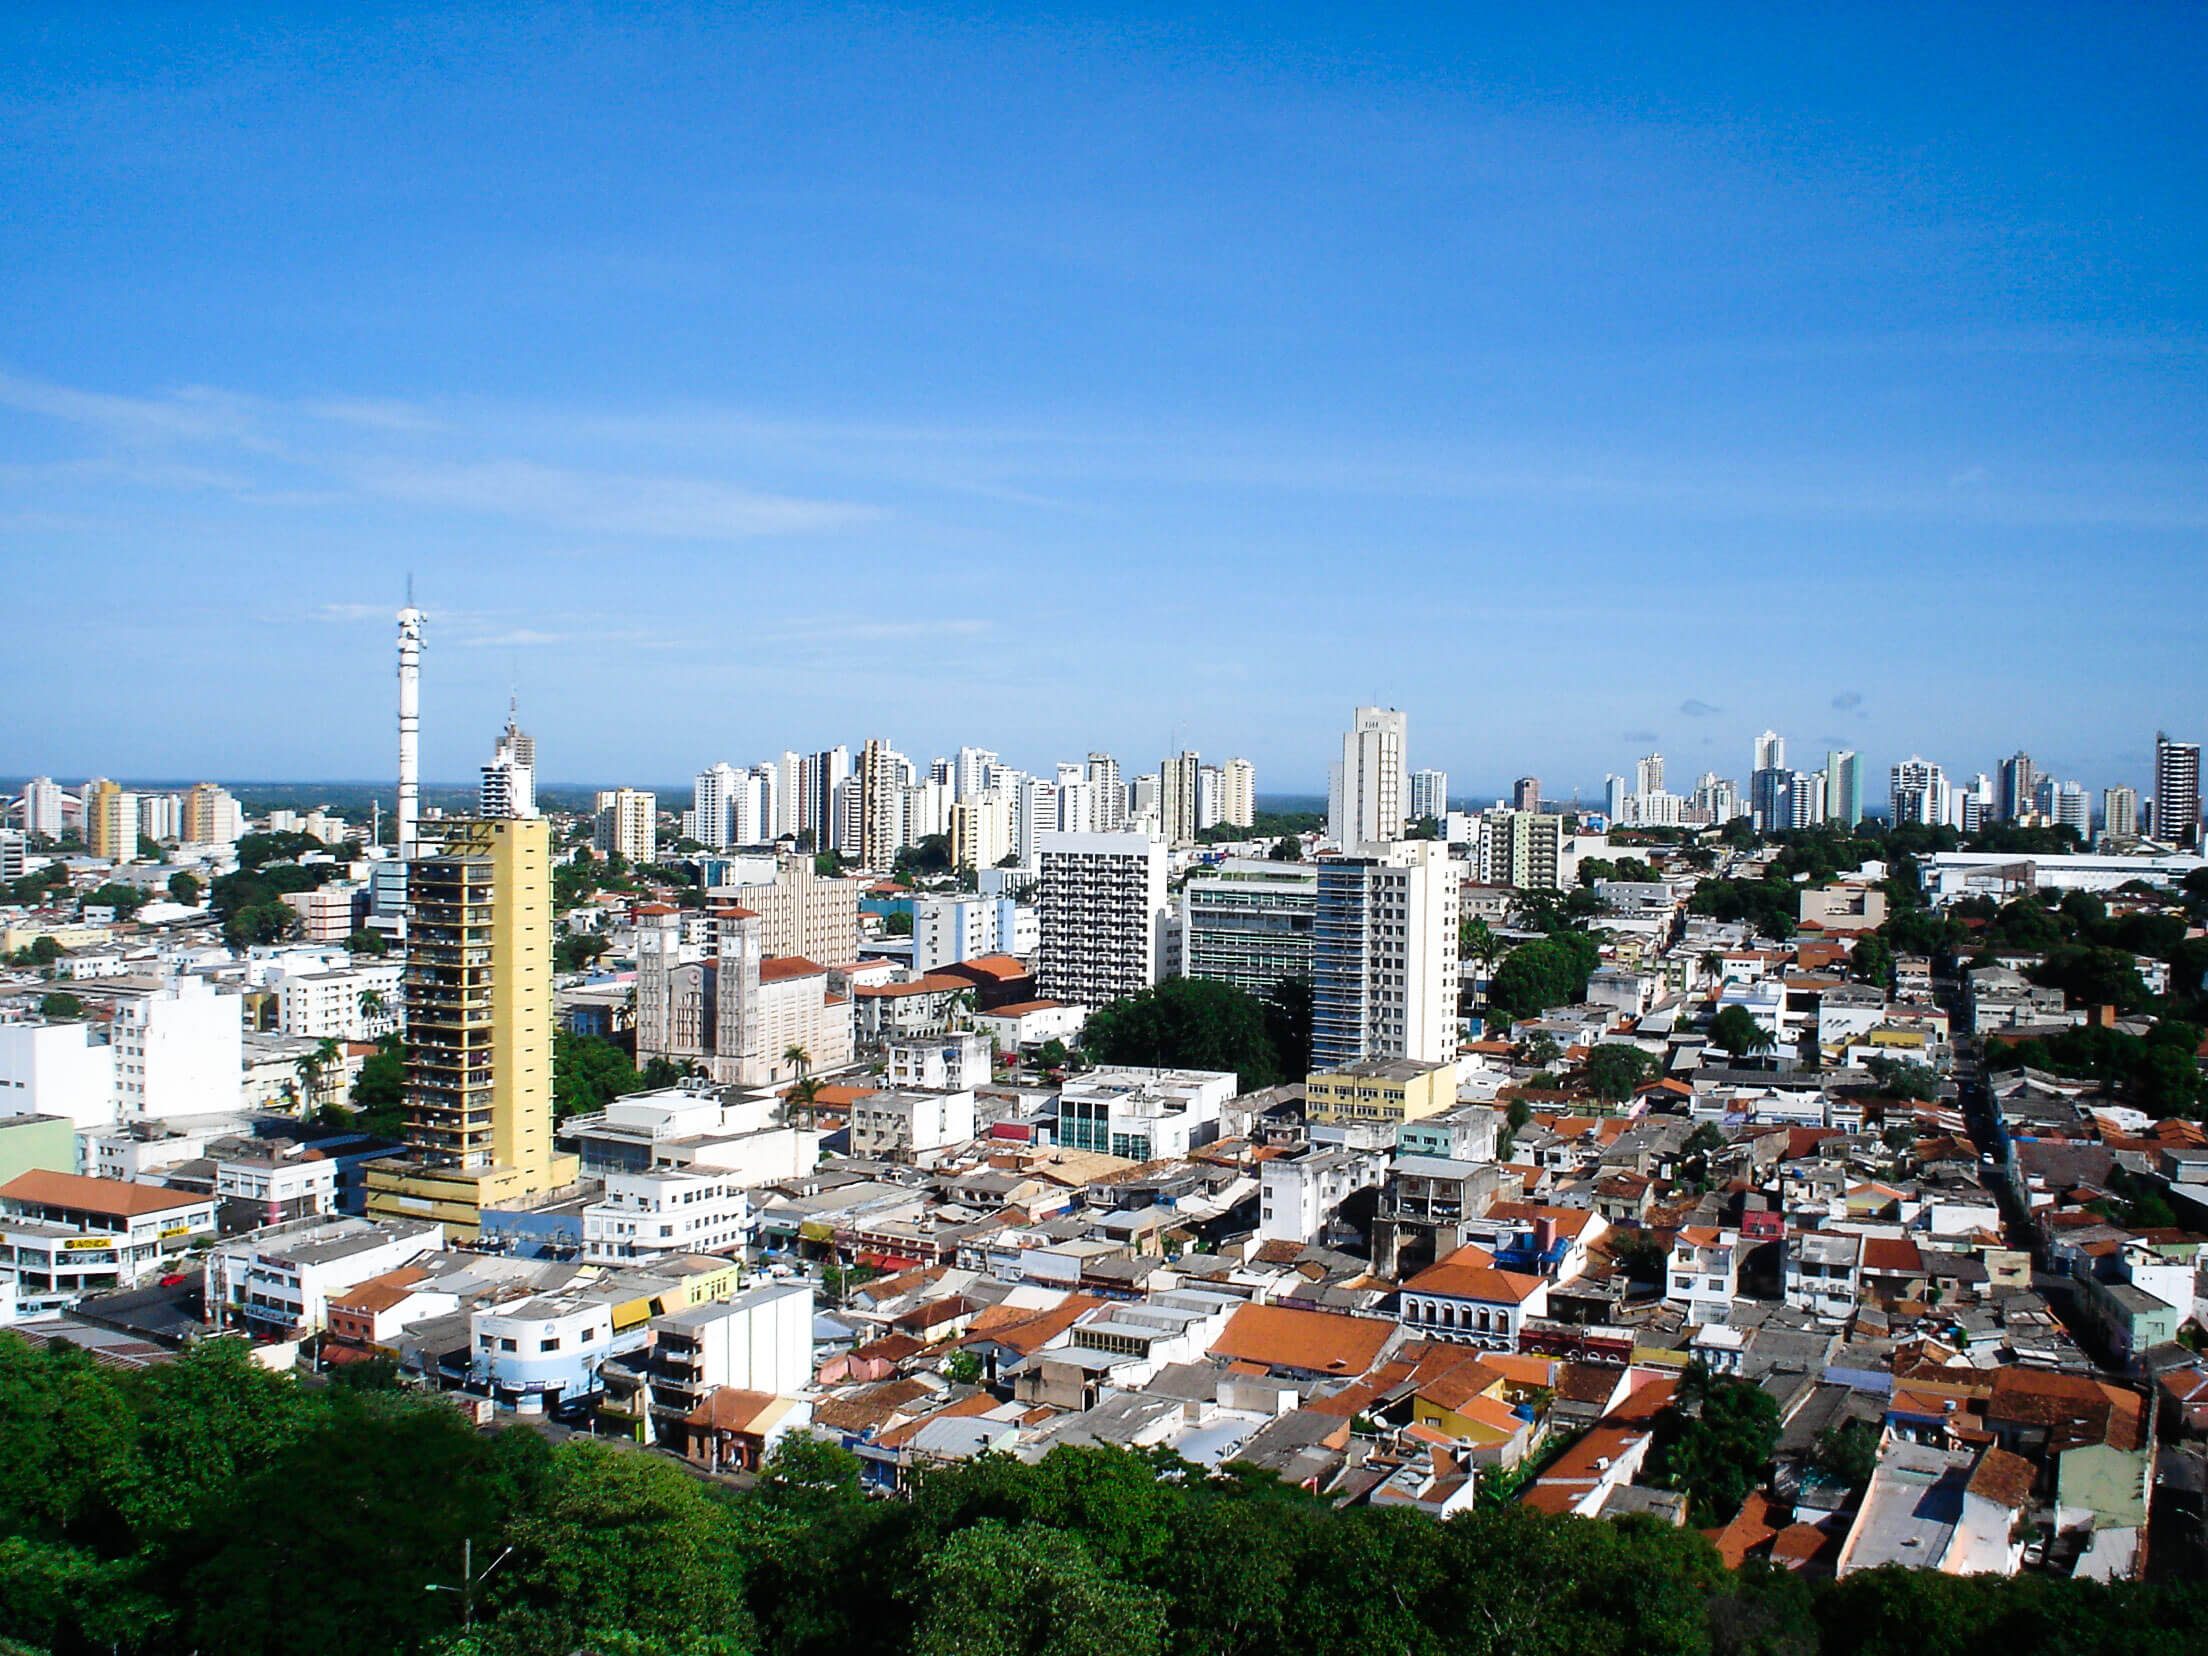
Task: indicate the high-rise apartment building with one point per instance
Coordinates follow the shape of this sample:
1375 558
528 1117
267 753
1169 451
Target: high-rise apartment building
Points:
42 808
1429 795
211 816
478 994
2120 812
2176 790
1180 780
882 774
1101 906
160 815
1524 849
982 829
1110 808
627 824
2070 806
510 779
1770 751
1919 793
801 912
1648 774
1248 922
1525 794
1384 956
1843 802
2019 783
1368 789
110 820
1238 793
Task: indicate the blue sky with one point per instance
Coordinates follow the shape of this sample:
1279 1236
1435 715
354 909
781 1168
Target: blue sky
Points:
740 378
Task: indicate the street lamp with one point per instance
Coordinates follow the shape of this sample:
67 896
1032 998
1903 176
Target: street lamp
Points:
469 1580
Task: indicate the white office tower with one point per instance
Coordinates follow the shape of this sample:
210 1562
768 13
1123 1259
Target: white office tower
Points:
1102 904
510 779
1238 793
1429 795
1920 794
1770 751
1179 780
42 807
1367 790
1384 956
1208 792
1648 774
1111 795
626 825
410 728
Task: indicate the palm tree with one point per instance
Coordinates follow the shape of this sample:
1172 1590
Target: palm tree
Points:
804 1098
798 1059
371 1007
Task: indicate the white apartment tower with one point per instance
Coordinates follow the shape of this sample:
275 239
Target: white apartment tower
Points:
1429 795
42 807
1111 795
1102 903
1384 956
626 825
1238 793
1366 791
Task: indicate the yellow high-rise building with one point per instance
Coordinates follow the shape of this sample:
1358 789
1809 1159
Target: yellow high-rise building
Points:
478 1028
110 820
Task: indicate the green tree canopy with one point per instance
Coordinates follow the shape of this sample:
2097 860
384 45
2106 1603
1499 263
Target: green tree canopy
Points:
1188 1023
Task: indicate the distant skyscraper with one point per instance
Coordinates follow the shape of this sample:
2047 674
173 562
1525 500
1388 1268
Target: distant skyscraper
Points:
1110 794
1238 793
2072 807
1648 774
1180 780
2176 790
972 773
110 820
1525 794
2018 784
1367 790
1919 792
1429 795
510 779
1770 751
211 816
882 774
1843 787
42 807
2120 812
626 824
712 798
1617 800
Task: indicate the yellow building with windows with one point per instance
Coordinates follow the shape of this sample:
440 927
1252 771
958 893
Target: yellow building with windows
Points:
479 1013
1390 1090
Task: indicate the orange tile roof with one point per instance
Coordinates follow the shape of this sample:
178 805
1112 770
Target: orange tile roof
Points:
1025 1329
117 1198
1462 1279
1579 1469
1318 1342
1000 966
380 1293
776 968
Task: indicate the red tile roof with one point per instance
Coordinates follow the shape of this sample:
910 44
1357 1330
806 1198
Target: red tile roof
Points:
117 1198
777 968
1317 1342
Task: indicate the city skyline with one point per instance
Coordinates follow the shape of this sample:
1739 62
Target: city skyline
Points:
1101 382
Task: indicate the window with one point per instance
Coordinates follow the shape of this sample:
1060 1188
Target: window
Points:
553 1344
509 1345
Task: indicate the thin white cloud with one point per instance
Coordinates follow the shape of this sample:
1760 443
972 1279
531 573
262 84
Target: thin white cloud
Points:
602 503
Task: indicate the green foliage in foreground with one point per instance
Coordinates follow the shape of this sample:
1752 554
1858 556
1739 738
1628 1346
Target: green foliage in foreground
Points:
207 1505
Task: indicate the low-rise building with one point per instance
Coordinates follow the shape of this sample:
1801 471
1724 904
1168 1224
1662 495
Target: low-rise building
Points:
68 1236
1389 1091
900 1125
664 1212
278 1281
